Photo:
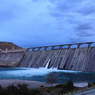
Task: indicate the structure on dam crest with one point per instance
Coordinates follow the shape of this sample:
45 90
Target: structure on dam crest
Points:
58 56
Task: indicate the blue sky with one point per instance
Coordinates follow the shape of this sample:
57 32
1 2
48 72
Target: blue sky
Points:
47 22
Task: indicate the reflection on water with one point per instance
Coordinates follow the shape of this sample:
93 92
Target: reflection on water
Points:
40 74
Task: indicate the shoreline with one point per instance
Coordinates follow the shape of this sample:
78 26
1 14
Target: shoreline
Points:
30 84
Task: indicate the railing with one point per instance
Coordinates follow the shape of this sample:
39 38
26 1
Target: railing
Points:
61 46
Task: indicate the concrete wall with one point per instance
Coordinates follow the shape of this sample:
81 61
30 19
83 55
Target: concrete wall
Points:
9 59
78 59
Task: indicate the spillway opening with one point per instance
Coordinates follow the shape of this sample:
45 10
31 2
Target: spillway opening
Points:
47 64
92 45
56 47
83 45
74 46
49 48
64 47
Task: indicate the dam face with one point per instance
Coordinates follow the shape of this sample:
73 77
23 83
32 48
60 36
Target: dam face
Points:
77 59
66 59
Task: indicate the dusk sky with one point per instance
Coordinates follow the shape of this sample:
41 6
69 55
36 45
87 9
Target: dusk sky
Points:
47 22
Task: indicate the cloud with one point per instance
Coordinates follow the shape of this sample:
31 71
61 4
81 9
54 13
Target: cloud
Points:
9 9
76 17
84 30
87 7
47 22
22 21
85 26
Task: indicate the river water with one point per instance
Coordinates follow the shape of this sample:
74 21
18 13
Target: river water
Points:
41 73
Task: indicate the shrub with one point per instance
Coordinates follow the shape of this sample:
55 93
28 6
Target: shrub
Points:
41 86
34 92
12 90
4 92
61 86
94 83
69 85
22 86
1 90
89 85
63 91
23 90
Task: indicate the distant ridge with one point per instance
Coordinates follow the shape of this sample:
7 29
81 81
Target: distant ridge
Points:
8 45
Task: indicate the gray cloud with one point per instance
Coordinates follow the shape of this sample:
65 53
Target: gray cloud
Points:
85 30
75 40
79 15
66 5
47 22
85 26
88 11
85 33
87 7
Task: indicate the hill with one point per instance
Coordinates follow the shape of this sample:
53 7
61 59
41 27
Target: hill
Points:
8 45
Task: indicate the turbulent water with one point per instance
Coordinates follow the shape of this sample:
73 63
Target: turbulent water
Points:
40 74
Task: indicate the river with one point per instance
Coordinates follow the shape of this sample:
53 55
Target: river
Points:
41 73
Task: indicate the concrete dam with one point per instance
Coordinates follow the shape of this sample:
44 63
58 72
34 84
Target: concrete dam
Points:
11 58
77 59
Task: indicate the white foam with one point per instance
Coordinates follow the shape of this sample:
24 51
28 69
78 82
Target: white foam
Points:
33 71
47 64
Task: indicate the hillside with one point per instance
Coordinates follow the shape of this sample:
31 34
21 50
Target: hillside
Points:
8 45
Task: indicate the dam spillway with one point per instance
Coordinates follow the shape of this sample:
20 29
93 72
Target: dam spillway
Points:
77 59
66 59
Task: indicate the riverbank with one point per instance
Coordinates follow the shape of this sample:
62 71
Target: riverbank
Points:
30 84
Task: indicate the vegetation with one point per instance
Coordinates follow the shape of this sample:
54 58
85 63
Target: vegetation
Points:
51 78
35 92
69 85
61 86
59 89
19 90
